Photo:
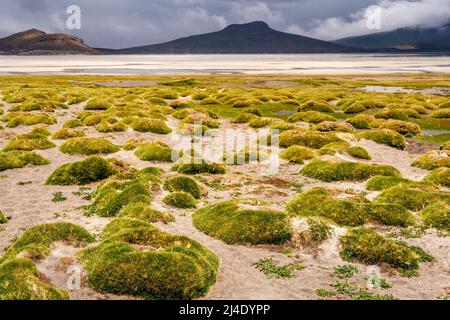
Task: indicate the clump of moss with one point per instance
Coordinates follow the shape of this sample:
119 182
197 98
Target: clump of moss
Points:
110 198
233 224
367 246
37 139
182 200
167 267
412 199
351 171
334 147
36 241
154 151
198 166
111 126
83 172
397 114
3 219
72 123
150 125
88 146
20 159
97 104
20 280
385 136
319 106
440 177
311 117
359 152
441 114
306 138
355 107
432 160
143 211
317 232
16 119
327 126
66 133
318 202
380 183
183 183
437 215
298 154
244 156
361 121
402 127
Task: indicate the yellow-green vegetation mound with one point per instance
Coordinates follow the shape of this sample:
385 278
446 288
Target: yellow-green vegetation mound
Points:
20 159
432 160
243 221
359 153
150 125
36 241
183 183
327 126
88 146
198 166
346 171
36 139
368 247
403 127
437 215
13 119
3 219
83 172
312 105
298 154
137 259
440 176
20 280
318 202
412 199
154 151
385 136
306 138
311 117
361 121
380 183
66 133
113 196
97 104
181 200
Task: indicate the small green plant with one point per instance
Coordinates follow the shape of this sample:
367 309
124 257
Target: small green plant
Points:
345 271
271 270
59 197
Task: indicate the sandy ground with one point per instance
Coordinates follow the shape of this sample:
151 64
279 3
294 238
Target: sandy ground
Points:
31 204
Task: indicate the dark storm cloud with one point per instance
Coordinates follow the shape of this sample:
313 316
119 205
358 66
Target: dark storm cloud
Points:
120 23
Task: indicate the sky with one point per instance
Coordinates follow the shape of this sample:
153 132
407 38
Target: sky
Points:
126 23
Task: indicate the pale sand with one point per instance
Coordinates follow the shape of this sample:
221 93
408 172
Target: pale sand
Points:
31 204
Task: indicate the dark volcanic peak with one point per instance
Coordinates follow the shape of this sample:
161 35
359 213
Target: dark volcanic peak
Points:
249 38
35 42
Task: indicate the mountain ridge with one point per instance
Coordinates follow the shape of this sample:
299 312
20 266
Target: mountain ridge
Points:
415 37
37 42
250 38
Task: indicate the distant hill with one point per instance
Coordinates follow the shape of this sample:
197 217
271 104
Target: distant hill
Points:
413 39
36 42
250 38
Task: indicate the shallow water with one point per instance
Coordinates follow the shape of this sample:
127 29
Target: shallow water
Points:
227 64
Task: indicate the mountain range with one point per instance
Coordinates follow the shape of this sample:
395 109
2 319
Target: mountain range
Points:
413 39
36 42
250 38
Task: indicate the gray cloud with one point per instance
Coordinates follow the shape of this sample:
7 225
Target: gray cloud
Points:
118 23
